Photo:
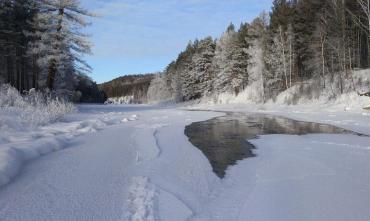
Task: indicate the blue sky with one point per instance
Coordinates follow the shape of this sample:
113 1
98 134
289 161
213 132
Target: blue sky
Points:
143 36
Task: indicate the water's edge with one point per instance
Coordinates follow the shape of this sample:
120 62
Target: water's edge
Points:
224 140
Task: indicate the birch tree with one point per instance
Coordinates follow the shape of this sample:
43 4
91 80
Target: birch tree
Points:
277 59
282 49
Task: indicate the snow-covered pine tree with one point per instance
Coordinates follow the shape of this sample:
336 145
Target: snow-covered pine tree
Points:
59 43
256 66
222 63
173 86
184 72
240 60
202 72
231 61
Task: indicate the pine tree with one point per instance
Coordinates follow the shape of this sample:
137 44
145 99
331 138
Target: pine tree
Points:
203 72
7 34
281 14
257 36
304 25
184 67
59 44
231 61
222 61
240 60
15 65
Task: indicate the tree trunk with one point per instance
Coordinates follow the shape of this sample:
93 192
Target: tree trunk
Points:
284 61
34 72
53 62
323 58
51 74
290 62
18 68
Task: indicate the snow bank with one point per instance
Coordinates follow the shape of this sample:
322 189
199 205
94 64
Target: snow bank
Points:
26 131
347 101
12 157
310 93
251 95
307 93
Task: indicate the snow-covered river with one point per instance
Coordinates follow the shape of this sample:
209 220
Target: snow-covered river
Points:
135 163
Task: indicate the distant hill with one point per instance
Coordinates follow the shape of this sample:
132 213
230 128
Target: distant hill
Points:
89 91
135 86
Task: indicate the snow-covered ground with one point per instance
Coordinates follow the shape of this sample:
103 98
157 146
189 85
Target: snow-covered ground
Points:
133 162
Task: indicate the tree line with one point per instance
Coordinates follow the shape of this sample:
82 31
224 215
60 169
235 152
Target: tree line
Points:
130 85
299 40
42 45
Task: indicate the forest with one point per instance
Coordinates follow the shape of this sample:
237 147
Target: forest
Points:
318 41
42 45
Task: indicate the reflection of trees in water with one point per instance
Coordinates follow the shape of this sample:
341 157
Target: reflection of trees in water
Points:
223 139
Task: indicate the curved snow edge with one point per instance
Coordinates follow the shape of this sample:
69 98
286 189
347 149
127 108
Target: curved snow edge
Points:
14 156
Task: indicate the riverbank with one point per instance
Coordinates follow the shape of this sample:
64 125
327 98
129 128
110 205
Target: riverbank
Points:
355 119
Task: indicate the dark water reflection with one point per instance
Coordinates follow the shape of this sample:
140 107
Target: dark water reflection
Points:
223 140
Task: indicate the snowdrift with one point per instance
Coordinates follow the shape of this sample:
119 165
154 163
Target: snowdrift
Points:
18 147
309 92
